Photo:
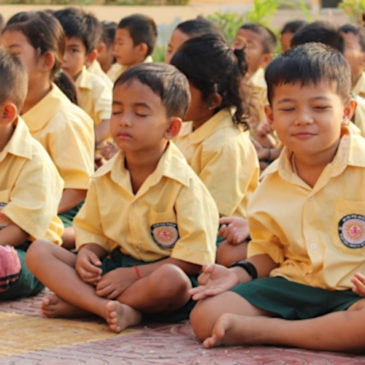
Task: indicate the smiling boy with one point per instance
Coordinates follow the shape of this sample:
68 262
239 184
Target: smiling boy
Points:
306 219
148 222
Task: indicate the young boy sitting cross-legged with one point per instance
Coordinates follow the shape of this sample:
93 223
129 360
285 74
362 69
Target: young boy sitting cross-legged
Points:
148 222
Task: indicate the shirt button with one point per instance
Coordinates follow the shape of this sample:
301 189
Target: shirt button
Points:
313 246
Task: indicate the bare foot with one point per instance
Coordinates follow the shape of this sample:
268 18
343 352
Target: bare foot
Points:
233 329
54 306
121 316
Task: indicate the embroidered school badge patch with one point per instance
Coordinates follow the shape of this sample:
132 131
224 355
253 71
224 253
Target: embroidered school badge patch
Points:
351 229
165 234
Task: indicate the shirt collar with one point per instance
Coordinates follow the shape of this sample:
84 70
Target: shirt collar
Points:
17 145
84 81
40 114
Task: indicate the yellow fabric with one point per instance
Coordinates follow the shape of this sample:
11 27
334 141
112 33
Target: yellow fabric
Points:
30 187
96 69
298 226
94 96
67 134
224 158
117 69
113 216
359 88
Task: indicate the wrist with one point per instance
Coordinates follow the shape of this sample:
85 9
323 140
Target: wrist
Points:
246 268
241 275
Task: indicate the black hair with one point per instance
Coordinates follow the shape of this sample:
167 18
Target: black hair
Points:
108 32
268 38
13 79
165 81
309 63
43 32
67 85
85 26
356 30
293 26
198 26
319 31
142 29
213 67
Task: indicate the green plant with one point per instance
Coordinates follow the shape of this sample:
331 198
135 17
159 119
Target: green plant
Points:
229 23
354 9
159 53
263 10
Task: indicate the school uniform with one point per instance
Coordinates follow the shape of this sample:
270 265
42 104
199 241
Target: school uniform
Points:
94 96
225 159
358 92
96 69
67 134
30 191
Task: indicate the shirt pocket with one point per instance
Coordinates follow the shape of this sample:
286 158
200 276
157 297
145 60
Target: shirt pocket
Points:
349 225
4 199
164 229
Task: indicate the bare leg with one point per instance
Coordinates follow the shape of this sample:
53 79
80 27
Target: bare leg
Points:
227 254
54 266
68 238
53 306
337 331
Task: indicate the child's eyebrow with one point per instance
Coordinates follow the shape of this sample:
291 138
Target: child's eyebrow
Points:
140 104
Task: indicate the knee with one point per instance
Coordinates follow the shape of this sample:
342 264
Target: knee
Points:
200 319
36 253
171 282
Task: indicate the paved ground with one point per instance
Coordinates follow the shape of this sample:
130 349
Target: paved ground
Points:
26 338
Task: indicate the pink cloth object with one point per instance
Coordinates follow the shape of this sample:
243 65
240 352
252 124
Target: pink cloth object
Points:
10 267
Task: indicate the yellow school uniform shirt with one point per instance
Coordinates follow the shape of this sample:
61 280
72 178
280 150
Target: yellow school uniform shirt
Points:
317 235
358 92
359 88
172 214
30 187
96 69
117 69
225 159
94 96
67 134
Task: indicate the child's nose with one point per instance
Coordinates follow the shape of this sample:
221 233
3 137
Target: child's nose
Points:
304 117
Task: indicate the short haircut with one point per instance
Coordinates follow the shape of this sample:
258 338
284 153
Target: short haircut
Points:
293 26
43 32
13 79
142 29
356 30
319 31
309 63
108 32
268 38
198 26
170 85
85 26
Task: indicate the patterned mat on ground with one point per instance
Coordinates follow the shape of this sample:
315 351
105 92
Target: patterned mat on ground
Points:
27 338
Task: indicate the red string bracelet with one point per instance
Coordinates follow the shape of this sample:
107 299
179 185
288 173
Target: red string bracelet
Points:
138 273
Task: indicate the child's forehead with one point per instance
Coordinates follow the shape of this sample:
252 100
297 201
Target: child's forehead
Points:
75 42
321 86
123 33
139 89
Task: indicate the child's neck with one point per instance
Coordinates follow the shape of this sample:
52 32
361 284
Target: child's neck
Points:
5 134
36 93
140 166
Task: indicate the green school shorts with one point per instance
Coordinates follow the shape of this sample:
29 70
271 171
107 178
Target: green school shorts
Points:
68 216
291 300
27 285
116 259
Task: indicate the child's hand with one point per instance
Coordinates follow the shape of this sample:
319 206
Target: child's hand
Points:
234 229
359 284
214 280
115 282
87 266
109 150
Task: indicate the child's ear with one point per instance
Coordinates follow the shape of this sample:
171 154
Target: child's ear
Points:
101 47
174 128
8 113
215 101
266 59
349 110
91 57
142 49
269 114
48 60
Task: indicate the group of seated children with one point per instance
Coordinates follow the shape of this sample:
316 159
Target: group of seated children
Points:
175 223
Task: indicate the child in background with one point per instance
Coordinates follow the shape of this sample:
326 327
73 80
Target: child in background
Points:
306 221
82 33
64 130
134 42
105 55
189 29
215 141
30 186
145 261
287 33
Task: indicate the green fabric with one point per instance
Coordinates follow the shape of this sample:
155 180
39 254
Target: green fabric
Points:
27 284
68 216
291 300
116 259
